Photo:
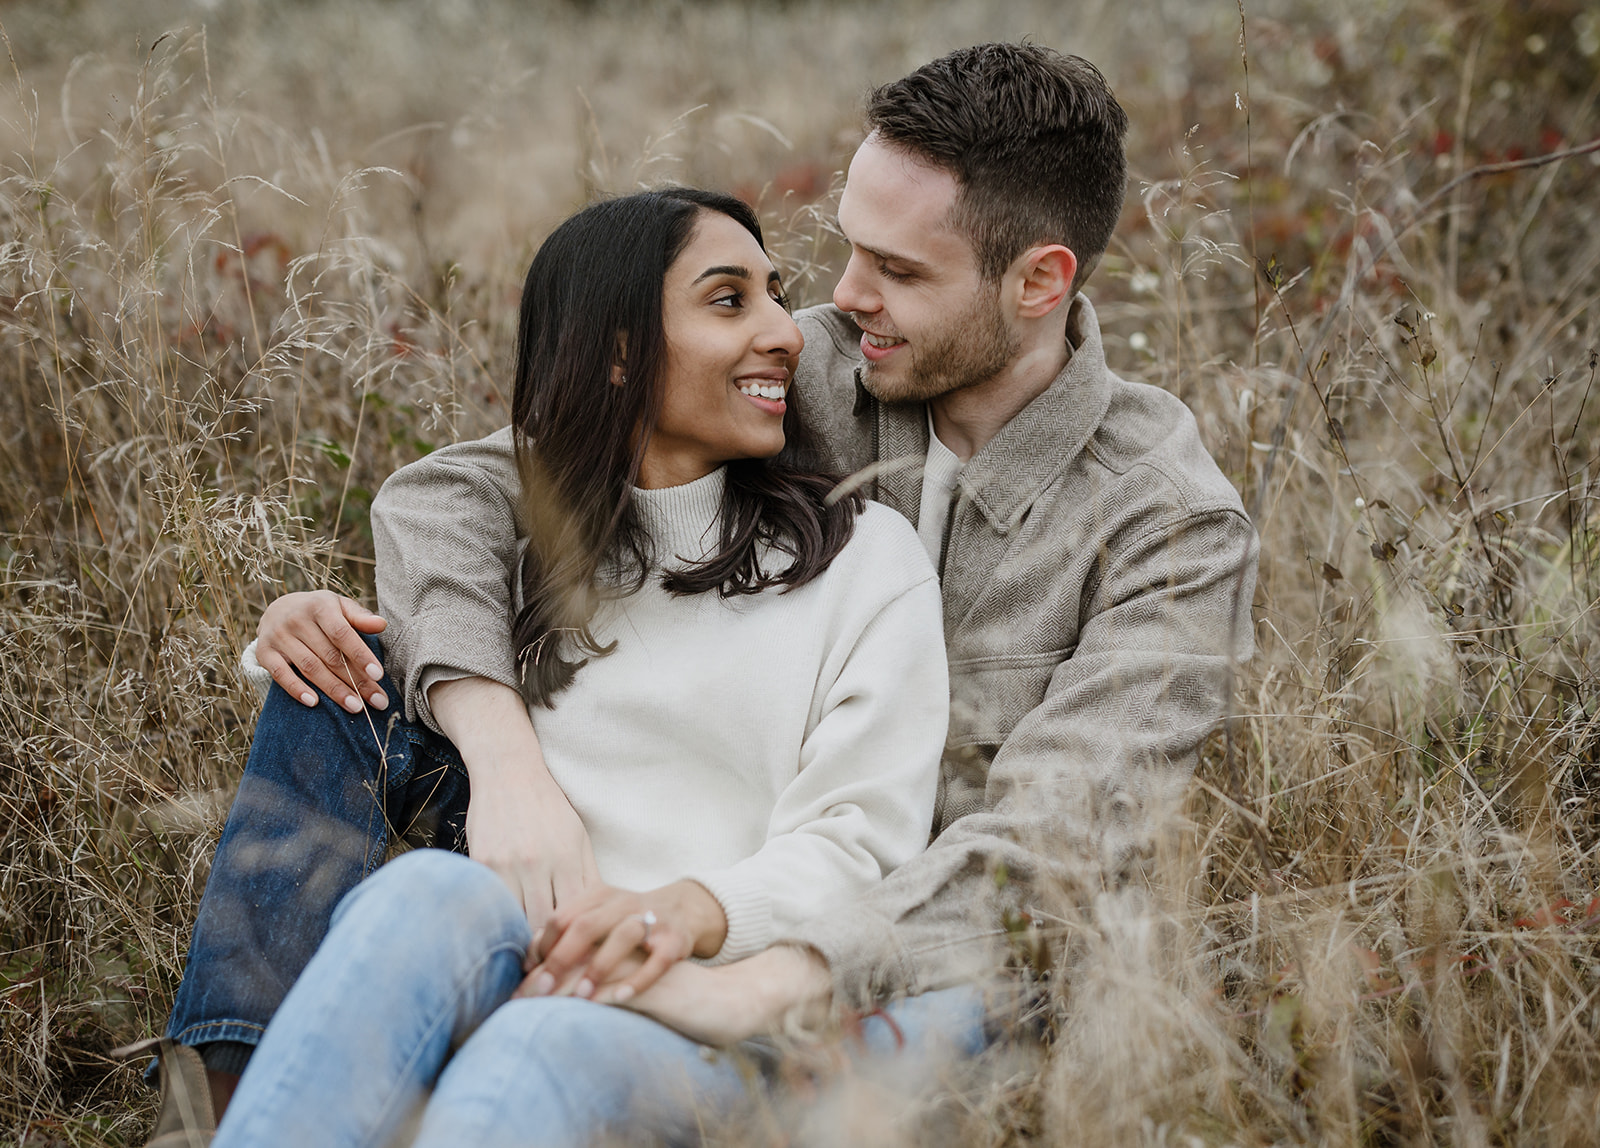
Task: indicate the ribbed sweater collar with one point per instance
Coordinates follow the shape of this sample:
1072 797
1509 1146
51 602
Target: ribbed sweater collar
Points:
682 520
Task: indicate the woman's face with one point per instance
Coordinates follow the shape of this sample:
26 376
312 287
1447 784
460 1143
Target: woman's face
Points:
731 353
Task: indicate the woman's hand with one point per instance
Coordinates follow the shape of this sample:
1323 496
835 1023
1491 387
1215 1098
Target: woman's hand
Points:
730 1003
319 633
613 944
519 822
524 829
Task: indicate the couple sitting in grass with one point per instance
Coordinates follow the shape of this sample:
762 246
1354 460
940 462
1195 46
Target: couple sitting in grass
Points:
669 697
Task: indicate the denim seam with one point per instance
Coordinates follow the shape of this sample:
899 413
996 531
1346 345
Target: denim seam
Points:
445 1014
202 1026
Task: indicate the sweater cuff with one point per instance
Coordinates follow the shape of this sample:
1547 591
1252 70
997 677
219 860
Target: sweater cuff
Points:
748 909
436 650
259 677
867 963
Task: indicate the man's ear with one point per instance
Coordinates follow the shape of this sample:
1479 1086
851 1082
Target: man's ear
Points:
1047 274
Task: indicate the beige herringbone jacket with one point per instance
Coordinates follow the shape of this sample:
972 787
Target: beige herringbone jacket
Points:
1097 577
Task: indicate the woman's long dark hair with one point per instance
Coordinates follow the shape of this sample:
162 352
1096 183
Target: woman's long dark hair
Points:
593 297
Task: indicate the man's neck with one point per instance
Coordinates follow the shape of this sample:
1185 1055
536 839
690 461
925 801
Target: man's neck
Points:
967 419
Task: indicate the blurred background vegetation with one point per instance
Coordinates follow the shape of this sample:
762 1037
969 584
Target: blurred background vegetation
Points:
255 255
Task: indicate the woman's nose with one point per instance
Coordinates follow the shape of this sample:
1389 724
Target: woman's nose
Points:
783 336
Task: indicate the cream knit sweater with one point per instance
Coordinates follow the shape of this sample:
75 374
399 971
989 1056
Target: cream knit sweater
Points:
781 749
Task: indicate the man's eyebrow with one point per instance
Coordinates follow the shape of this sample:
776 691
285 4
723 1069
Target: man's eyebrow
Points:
905 261
723 269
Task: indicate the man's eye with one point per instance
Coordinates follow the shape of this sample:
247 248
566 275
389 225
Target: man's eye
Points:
892 275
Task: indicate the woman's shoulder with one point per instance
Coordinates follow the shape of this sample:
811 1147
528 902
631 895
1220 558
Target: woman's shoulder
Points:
885 546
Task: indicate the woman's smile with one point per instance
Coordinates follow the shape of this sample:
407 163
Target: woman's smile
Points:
766 390
731 353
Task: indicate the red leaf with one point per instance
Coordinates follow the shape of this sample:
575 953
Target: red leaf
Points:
1544 918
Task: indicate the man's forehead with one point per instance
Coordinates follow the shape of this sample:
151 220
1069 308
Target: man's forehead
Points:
895 203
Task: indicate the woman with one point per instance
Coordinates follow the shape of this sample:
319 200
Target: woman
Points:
738 683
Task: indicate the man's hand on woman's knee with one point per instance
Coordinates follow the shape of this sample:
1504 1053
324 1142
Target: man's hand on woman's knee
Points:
771 991
315 637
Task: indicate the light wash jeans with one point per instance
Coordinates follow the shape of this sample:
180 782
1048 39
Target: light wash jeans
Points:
410 992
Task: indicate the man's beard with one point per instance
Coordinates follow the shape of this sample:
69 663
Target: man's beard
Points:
975 347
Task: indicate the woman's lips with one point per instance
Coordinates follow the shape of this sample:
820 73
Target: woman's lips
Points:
776 383
770 406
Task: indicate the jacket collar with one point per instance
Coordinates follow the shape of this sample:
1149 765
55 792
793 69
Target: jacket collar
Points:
1014 468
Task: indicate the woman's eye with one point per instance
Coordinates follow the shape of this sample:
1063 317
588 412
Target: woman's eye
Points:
732 300
781 298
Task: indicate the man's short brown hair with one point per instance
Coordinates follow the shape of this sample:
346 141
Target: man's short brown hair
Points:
1033 138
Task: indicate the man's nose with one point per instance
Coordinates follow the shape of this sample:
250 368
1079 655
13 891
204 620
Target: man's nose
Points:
853 293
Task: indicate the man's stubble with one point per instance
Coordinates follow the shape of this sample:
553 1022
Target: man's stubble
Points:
974 347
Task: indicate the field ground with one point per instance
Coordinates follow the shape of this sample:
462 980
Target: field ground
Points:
254 256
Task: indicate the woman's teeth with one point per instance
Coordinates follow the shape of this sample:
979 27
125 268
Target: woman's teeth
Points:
882 342
773 391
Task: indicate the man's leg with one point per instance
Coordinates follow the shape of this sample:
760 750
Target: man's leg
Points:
324 795
417 956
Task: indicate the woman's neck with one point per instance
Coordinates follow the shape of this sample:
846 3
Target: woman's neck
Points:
656 473
683 520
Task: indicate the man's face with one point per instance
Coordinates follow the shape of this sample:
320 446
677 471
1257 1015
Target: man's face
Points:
931 324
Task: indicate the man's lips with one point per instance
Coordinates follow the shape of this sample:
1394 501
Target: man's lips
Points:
871 346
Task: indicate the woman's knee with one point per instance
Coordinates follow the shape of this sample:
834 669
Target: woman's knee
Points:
434 889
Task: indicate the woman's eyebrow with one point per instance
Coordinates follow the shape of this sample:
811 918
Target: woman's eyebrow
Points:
723 269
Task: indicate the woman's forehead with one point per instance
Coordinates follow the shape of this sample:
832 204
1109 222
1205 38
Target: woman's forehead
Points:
719 240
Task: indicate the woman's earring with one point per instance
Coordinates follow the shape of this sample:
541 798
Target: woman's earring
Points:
624 380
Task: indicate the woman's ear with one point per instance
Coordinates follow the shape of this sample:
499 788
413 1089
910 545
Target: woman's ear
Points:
619 369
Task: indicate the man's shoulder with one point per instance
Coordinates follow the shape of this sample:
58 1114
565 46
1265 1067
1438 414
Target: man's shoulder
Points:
1149 435
489 460
825 382
830 333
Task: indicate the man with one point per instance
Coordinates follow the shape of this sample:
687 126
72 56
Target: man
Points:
1096 572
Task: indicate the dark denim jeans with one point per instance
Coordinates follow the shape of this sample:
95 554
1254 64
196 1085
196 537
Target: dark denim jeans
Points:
323 797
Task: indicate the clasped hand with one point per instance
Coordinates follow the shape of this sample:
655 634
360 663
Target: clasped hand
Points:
609 945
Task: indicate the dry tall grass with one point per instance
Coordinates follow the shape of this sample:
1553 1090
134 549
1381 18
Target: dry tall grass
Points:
248 268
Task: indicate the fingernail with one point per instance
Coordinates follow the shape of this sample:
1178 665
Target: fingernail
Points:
374 671
543 984
585 989
353 704
379 702
623 995
309 699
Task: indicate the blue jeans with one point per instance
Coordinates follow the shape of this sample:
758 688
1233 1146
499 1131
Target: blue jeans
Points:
324 795
405 1008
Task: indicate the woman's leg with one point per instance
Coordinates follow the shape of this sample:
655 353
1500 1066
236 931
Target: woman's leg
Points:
559 1071
415 958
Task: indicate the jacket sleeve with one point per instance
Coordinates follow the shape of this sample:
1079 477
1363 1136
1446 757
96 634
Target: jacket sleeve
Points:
444 530
862 801
1074 790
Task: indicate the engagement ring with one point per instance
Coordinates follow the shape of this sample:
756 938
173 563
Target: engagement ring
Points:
649 919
